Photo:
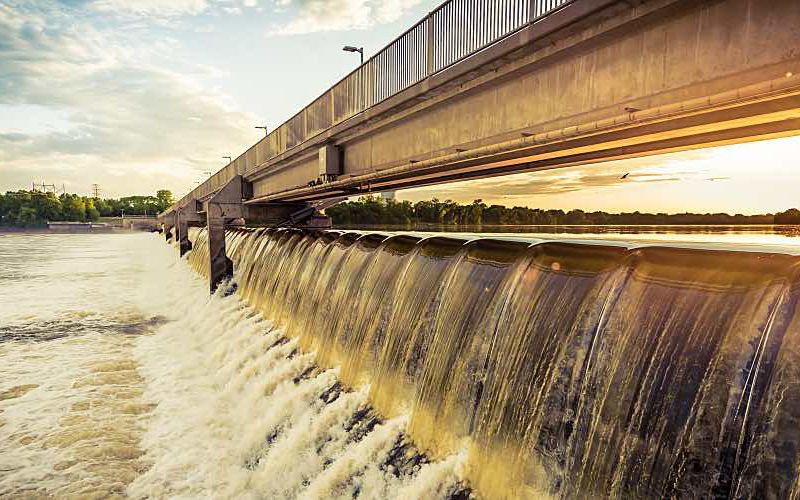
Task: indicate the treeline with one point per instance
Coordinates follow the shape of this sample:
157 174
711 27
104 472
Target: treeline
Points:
36 208
372 210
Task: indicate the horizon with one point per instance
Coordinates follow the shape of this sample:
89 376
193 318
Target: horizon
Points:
376 195
578 209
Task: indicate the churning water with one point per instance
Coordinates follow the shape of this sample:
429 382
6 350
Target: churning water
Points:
121 377
354 365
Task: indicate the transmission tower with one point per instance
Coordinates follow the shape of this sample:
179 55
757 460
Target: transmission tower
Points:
42 187
96 190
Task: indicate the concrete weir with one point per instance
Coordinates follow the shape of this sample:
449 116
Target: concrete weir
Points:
226 208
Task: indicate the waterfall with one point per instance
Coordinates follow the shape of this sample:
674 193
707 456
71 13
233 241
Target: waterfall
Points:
525 368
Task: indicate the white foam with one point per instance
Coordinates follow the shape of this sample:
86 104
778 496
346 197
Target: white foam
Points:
214 402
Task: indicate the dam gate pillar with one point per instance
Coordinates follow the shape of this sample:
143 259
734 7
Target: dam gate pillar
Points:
185 215
228 204
169 225
221 209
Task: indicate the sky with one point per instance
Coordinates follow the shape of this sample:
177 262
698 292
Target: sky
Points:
140 95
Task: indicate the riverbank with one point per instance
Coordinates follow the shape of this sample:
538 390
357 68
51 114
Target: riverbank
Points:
61 230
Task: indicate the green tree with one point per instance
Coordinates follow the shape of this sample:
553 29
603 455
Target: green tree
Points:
27 216
791 216
165 199
74 208
92 213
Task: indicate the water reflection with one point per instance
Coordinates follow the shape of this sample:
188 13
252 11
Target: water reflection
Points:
781 238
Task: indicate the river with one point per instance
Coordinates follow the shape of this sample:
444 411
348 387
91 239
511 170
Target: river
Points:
120 377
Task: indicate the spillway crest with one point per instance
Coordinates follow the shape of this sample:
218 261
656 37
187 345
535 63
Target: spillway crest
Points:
549 369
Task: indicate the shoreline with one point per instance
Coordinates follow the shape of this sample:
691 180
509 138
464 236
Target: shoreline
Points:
44 230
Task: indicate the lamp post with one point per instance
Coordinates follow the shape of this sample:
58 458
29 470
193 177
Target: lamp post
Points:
360 50
230 160
266 131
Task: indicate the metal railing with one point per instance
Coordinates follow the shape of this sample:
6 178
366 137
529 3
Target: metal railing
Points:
453 31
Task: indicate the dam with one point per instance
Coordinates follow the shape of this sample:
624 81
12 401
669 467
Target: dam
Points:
264 352
541 369
343 364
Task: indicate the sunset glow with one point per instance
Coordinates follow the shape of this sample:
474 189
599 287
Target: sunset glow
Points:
748 178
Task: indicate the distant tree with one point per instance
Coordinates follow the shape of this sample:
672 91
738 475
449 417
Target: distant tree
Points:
165 199
791 216
370 210
92 214
27 208
47 206
104 207
73 208
27 216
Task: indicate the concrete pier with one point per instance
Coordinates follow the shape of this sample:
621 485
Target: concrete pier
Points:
186 215
169 225
223 207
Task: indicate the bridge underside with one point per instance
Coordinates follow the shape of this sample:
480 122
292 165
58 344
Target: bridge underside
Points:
768 116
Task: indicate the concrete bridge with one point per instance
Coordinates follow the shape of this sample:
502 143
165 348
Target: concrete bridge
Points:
481 88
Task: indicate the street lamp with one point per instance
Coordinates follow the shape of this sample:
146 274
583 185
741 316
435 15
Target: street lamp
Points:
227 158
360 50
266 131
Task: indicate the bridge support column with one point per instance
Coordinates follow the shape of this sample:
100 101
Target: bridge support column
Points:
185 215
184 245
222 208
226 206
169 224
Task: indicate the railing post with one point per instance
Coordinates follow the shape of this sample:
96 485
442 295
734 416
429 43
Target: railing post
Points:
305 126
430 37
332 103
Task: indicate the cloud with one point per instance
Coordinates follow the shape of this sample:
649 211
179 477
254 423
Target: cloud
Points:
134 116
520 188
160 8
310 16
